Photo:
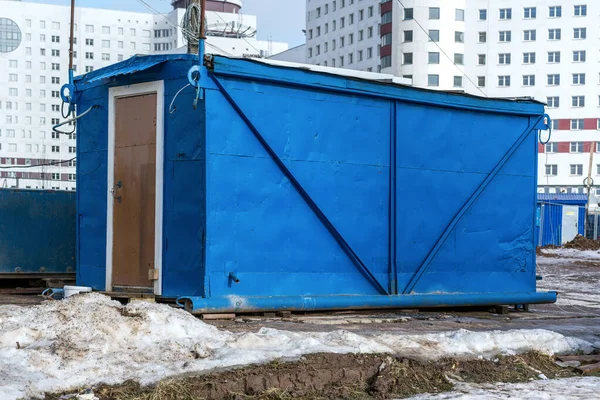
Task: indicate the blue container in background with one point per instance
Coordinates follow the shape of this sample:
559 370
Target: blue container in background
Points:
298 190
561 217
37 233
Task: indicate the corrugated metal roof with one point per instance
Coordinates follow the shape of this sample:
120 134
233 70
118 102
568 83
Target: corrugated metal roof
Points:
130 66
563 198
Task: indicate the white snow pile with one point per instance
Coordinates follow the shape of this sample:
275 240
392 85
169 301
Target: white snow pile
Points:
558 389
90 339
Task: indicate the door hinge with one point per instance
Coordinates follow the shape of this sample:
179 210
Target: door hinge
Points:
153 274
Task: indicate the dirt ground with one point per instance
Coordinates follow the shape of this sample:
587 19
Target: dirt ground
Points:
574 273
334 376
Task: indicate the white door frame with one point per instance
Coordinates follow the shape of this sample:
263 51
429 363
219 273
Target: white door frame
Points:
113 94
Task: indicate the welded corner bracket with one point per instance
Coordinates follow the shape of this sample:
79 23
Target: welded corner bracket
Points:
544 124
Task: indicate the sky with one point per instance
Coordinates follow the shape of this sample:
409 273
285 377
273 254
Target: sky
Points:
278 20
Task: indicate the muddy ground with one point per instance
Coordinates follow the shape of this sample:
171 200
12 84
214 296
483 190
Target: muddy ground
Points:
334 376
574 273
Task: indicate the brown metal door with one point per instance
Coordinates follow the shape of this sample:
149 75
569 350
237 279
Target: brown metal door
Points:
134 191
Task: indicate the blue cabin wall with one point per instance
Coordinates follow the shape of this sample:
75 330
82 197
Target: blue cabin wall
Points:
37 232
183 191
338 144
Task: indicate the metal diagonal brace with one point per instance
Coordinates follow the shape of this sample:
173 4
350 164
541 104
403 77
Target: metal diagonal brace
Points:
421 270
305 196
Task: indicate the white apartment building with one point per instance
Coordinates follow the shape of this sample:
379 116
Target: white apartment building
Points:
343 33
34 54
548 50
543 49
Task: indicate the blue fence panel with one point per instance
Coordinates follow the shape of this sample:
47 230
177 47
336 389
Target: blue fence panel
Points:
37 231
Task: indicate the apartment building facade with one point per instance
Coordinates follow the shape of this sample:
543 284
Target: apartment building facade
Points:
343 34
34 62
543 49
548 50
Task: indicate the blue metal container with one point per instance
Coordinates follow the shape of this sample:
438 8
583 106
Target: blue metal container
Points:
551 211
293 189
37 233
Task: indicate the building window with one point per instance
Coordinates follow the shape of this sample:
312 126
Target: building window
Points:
551 147
553 101
576 169
481 81
553 79
529 35
482 37
89 68
56 149
554 56
72 149
408 14
577 125
529 12
505 13
434 35
459 37
528 58
579 56
578 101
106 44
407 58
55 67
89 42
105 57
576 147
551 169
434 58
481 59
386 61
578 79
580 11
482 15
408 37
554 34
504 36
504 58
434 13
433 80
458 81
579 33
55 53
459 14
555 11
504 80
528 80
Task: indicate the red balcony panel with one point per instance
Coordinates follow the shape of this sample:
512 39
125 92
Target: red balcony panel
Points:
386 50
387 28
564 124
385 7
564 147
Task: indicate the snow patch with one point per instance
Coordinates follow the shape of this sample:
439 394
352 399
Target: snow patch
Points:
90 339
556 389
